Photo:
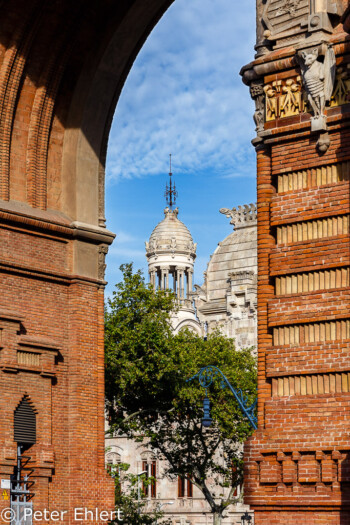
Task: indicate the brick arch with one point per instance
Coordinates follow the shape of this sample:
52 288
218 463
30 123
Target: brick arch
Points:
87 142
62 67
61 75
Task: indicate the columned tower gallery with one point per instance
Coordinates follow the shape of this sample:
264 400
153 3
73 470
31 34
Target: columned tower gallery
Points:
171 253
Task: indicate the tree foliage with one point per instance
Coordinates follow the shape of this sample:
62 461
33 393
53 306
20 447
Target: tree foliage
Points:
148 396
132 508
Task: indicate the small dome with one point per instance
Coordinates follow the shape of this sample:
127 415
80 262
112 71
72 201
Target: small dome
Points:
170 235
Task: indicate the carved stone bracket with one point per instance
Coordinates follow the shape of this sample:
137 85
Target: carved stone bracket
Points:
258 95
102 252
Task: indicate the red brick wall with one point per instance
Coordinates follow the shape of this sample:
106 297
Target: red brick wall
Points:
64 322
297 461
62 67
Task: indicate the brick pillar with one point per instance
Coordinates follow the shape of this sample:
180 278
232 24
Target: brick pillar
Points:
265 191
297 463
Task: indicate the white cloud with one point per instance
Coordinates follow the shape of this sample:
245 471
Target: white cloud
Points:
128 254
184 95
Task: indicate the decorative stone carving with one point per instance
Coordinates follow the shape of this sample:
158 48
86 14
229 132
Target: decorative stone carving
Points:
341 93
102 252
174 212
288 7
284 98
257 94
271 104
287 21
278 24
241 216
192 246
318 79
242 291
290 102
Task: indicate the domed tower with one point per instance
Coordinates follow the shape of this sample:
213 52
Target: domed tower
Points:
171 253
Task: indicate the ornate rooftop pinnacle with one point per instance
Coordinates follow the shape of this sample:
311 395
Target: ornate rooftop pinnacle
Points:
170 191
169 211
242 216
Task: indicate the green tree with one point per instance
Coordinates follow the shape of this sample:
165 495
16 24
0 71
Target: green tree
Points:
127 499
148 395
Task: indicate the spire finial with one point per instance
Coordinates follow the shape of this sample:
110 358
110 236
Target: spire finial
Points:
170 190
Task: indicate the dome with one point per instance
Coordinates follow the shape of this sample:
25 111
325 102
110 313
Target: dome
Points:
170 235
227 299
235 254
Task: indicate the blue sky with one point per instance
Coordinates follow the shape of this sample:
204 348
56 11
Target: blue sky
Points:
183 96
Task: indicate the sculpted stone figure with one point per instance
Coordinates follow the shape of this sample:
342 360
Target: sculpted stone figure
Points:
314 76
318 78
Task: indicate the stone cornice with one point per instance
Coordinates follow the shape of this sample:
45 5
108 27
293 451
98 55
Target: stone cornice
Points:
52 222
283 59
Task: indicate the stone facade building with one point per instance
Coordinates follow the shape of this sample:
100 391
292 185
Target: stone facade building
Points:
178 499
227 299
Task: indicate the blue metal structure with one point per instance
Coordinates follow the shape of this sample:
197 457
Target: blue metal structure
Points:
206 376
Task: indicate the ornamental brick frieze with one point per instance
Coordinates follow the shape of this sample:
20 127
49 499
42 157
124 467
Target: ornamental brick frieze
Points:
311 333
309 178
287 98
310 384
304 470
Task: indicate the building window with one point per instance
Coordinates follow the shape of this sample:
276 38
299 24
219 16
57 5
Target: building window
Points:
180 487
154 480
184 488
149 488
189 489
